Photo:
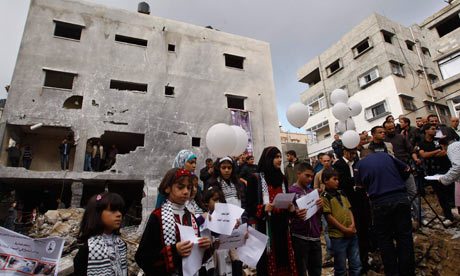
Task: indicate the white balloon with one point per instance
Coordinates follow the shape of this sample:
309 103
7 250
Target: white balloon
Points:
355 107
350 139
341 111
341 127
351 124
297 114
241 140
339 96
221 140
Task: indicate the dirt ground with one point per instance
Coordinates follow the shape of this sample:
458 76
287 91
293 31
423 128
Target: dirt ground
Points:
437 250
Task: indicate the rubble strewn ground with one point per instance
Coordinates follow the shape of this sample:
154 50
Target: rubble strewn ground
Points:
437 250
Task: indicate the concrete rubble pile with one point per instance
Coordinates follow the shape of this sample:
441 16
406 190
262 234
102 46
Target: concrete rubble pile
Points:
436 249
65 223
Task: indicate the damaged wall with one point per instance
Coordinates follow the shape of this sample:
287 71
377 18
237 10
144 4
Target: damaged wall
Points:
196 69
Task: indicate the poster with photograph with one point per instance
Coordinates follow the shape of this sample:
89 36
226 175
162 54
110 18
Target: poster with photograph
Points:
22 255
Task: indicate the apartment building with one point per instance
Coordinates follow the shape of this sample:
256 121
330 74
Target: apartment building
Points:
385 66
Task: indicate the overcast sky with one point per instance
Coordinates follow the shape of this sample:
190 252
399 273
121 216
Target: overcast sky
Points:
297 30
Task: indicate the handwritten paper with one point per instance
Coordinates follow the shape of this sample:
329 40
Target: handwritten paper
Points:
235 240
433 177
252 250
224 218
282 200
192 263
309 202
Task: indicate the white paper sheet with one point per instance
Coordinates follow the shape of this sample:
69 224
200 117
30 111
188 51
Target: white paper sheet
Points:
187 233
433 177
192 263
224 218
282 200
235 240
252 250
309 202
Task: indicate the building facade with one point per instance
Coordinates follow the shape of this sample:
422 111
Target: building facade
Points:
387 67
443 30
148 85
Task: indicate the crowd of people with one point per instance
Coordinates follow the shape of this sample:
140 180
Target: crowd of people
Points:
368 198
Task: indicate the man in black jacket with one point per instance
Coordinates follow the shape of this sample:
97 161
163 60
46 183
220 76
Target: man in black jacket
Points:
441 130
206 172
358 199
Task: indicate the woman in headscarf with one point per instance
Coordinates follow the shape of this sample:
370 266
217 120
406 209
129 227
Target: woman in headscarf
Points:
185 159
278 258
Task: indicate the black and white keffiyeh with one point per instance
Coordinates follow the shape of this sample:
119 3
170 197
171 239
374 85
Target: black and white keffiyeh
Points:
169 223
265 195
107 259
230 192
193 207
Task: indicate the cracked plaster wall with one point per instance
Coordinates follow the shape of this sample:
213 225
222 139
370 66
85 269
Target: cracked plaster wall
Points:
196 69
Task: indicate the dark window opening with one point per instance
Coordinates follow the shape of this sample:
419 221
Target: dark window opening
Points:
333 67
131 40
312 78
409 104
426 52
448 25
433 78
388 37
361 47
235 102
410 45
171 47
234 61
110 145
58 79
68 30
130 86
73 102
196 141
169 91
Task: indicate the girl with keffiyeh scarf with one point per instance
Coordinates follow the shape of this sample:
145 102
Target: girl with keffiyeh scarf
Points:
161 250
278 258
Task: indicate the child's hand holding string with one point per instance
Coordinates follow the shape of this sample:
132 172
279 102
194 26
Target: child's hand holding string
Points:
184 248
237 224
204 242
268 207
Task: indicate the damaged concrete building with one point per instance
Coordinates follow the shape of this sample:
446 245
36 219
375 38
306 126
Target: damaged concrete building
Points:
149 85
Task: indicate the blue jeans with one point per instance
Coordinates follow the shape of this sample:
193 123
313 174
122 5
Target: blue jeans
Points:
326 236
346 248
26 163
87 166
392 221
65 158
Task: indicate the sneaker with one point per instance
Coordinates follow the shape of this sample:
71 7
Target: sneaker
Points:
424 222
447 222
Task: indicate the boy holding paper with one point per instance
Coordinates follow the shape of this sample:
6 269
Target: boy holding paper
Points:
306 233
